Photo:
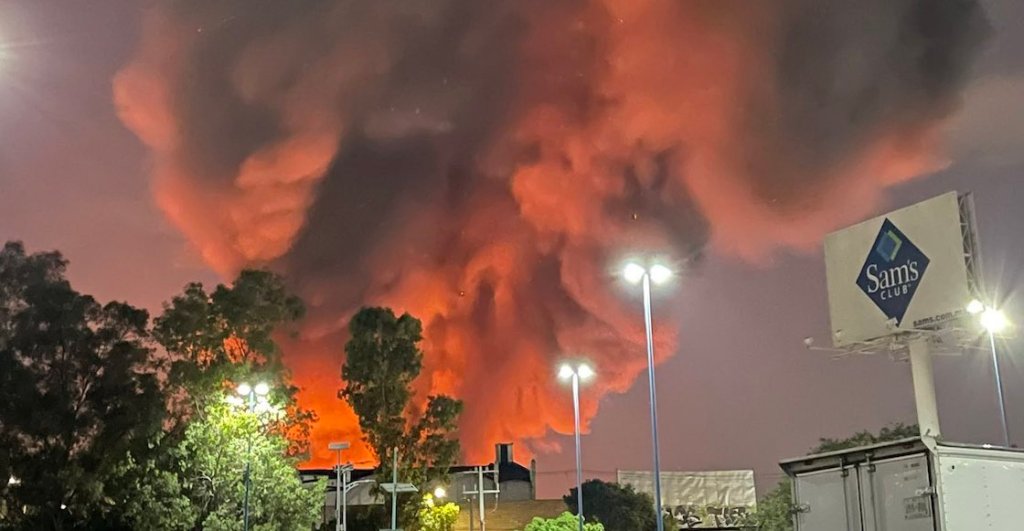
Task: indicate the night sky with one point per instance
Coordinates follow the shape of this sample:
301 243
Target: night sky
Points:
740 391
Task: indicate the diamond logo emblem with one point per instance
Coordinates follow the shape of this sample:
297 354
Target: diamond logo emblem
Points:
892 271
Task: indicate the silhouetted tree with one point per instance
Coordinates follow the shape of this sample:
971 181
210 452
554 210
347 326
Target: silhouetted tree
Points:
382 359
618 507
79 393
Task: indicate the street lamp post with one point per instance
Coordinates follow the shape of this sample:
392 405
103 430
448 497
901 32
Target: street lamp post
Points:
253 394
657 273
340 488
581 372
994 321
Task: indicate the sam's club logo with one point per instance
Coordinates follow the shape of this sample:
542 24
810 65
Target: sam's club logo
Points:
892 271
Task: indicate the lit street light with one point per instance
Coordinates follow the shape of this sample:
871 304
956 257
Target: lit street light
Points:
659 274
580 372
440 492
994 322
257 399
340 488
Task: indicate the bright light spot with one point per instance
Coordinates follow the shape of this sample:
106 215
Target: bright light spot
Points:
262 389
244 389
585 371
439 492
62 506
633 272
994 320
565 372
13 481
975 307
660 274
234 400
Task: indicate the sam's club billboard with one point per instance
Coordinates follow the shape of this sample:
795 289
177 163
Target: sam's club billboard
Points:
899 272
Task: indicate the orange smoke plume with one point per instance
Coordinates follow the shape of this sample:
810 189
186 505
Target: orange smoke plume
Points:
486 165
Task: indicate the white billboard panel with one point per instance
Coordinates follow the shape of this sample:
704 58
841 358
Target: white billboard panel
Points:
709 499
717 488
899 272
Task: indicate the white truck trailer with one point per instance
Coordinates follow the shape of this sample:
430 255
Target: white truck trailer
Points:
913 484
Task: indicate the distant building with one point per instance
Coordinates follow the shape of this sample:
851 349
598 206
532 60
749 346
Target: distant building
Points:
516 483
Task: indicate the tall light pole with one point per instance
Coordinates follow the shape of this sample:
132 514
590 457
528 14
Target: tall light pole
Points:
254 394
657 273
340 488
994 321
580 372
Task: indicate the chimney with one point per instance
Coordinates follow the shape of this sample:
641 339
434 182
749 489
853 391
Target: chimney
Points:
503 454
533 479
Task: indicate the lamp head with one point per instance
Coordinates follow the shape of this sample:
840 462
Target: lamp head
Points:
585 372
633 272
660 274
994 320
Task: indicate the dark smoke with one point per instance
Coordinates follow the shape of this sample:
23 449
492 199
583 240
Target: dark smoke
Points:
485 165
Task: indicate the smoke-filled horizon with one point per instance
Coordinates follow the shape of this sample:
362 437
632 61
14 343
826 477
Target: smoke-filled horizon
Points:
486 166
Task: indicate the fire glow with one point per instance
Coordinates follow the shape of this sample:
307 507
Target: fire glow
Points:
483 165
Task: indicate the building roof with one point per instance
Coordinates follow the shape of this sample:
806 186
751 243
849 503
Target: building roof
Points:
506 472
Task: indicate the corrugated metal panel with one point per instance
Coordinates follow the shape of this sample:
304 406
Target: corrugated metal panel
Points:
719 488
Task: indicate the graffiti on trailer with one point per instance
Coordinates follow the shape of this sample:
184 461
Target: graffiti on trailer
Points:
702 517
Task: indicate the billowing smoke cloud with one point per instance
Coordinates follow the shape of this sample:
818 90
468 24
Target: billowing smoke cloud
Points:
486 165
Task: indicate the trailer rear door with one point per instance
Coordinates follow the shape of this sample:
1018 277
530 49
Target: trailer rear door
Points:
897 494
829 500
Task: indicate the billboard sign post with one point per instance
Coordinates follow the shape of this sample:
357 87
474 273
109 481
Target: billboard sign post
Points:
900 276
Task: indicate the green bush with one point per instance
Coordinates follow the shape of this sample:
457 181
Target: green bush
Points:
565 522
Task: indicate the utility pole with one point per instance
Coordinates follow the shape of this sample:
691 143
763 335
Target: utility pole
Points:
480 492
394 491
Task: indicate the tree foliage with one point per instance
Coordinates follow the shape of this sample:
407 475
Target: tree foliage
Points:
382 359
213 459
83 395
437 516
564 522
215 342
618 507
775 510
892 432
226 337
79 394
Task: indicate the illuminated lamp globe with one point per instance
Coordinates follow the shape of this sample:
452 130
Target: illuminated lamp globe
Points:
585 372
660 274
633 272
244 389
565 372
994 320
439 492
262 389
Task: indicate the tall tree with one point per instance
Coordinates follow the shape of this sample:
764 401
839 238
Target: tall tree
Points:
618 507
225 337
382 359
79 394
216 341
